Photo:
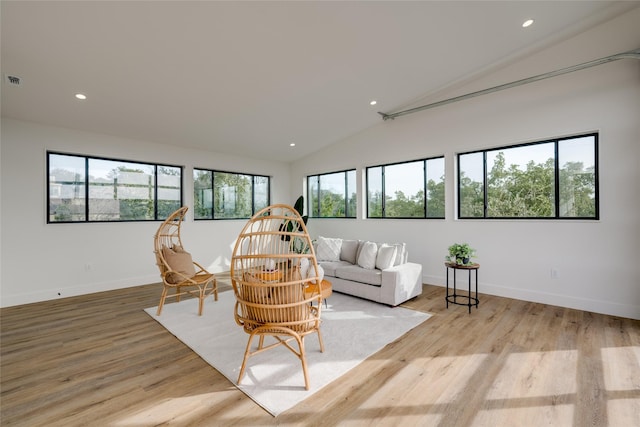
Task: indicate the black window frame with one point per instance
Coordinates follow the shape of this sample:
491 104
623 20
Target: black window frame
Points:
87 200
556 185
212 216
424 186
310 208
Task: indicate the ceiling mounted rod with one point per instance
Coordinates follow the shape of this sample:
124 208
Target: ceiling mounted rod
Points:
634 54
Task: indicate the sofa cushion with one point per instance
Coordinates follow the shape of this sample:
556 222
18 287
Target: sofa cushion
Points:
368 254
359 274
330 267
349 250
386 257
328 249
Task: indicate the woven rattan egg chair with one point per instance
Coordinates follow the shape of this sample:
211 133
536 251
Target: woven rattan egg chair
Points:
178 270
272 263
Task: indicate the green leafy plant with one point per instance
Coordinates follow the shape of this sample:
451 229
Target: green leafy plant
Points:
297 245
460 253
299 206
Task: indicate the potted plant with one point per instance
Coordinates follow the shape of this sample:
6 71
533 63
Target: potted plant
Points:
288 226
460 253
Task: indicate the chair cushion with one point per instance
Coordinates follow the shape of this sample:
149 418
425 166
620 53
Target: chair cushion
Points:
252 291
179 261
273 312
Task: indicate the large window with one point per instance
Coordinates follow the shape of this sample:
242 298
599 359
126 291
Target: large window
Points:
228 195
406 190
548 179
332 195
85 189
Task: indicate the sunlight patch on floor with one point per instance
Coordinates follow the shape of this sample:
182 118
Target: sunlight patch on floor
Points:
176 409
622 382
392 420
415 407
620 411
536 374
438 371
617 362
550 415
531 390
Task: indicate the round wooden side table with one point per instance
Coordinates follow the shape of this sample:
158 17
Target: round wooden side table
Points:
469 300
312 289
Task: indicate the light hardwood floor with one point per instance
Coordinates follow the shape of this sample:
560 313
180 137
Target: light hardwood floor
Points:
99 360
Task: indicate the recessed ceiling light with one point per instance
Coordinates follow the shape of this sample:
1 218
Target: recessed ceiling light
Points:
374 102
81 96
527 23
293 144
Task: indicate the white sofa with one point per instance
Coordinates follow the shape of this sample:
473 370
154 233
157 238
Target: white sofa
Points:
375 271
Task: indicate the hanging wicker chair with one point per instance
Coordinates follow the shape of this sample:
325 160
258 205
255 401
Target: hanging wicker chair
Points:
272 266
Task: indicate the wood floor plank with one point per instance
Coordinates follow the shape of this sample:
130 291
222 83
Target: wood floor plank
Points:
100 360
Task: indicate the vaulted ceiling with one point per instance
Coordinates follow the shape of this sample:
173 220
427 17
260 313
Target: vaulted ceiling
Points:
251 78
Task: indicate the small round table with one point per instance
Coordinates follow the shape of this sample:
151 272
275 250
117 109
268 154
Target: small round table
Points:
469 299
268 276
312 289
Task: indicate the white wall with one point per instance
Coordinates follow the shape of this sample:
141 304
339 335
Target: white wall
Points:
43 261
595 260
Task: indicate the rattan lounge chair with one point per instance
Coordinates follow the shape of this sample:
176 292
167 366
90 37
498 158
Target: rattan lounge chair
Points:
269 279
177 269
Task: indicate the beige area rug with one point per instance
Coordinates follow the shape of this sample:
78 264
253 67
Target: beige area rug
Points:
353 329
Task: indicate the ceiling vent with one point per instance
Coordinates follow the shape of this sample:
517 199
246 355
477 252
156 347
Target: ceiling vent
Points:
13 80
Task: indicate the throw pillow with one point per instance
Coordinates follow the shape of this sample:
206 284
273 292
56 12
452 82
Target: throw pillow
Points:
328 249
304 267
349 250
360 243
180 262
306 272
368 254
400 253
386 257
320 273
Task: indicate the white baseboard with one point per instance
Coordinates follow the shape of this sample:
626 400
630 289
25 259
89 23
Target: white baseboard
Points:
72 291
569 301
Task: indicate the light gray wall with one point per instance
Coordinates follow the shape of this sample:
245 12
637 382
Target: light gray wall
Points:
595 260
43 261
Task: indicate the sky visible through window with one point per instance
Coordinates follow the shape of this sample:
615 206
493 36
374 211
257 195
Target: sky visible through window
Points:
570 150
98 168
404 176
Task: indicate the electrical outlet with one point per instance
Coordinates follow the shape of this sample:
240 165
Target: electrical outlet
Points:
554 273
88 266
